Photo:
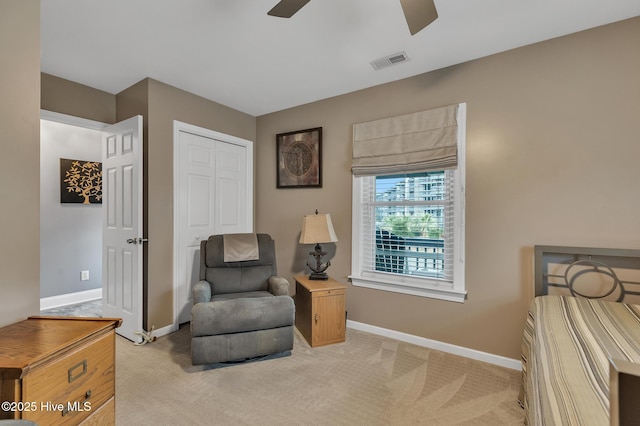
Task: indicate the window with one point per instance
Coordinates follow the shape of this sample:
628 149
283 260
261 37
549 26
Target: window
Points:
408 230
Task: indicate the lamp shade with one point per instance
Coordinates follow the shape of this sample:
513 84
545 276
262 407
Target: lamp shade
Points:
317 228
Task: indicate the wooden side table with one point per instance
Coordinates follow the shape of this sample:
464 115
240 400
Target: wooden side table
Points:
320 310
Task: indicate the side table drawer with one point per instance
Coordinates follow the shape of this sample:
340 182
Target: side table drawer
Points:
332 292
70 388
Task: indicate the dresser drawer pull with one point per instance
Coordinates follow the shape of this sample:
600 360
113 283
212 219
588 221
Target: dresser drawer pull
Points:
78 405
73 369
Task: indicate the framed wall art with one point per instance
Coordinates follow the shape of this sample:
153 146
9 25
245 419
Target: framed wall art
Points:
299 162
80 181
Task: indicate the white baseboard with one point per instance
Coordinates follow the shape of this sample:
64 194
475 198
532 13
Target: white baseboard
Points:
165 330
440 346
70 298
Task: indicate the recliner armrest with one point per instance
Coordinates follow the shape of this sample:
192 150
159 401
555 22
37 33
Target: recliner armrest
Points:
278 286
201 292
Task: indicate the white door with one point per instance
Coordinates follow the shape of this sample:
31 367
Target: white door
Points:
122 240
195 215
213 195
231 211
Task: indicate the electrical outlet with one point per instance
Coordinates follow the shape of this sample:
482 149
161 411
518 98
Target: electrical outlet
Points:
84 276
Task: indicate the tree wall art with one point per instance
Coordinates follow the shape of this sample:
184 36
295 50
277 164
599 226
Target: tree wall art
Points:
80 181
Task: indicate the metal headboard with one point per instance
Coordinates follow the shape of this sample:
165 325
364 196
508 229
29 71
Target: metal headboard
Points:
564 268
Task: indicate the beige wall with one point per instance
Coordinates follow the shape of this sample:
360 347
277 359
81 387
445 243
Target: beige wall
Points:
552 153
58 94
159 104
163 105
20 159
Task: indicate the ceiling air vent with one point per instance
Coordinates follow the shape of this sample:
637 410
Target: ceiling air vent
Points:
389 60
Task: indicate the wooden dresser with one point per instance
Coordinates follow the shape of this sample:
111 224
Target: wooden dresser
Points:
320 310
59 371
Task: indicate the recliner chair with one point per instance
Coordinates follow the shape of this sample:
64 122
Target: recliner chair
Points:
242 309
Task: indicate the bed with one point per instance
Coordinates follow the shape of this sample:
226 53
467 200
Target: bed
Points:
586 313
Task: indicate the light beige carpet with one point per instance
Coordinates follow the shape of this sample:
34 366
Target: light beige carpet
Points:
369 380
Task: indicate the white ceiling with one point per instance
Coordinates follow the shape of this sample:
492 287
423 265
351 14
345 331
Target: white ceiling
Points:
233 53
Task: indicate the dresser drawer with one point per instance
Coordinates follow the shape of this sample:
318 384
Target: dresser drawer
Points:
103 416
69 389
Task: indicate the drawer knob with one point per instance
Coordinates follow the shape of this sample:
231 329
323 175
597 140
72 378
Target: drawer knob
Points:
66 409
317 318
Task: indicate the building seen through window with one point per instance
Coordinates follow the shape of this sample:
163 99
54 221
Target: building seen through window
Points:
411 218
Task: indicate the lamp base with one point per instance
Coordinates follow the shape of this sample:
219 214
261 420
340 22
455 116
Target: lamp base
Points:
319 276
318 272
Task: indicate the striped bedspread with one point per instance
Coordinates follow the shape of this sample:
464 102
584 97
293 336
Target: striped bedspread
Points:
565 350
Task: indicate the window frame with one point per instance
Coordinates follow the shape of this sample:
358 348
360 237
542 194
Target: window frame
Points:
405 284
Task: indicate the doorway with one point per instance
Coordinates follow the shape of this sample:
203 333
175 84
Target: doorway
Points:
70 233
95 245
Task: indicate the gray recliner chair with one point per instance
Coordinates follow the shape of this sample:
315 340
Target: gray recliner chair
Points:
242 309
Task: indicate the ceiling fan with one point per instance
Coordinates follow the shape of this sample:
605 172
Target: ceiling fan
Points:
418 13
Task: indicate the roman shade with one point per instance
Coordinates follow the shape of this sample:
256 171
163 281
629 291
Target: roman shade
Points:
417 142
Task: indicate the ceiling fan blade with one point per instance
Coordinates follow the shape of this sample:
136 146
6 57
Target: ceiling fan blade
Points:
287 8
418 13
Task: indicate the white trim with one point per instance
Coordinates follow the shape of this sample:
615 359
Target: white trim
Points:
71 120
179 126
406 287
414 286
70 298
165 330
498 360
460 179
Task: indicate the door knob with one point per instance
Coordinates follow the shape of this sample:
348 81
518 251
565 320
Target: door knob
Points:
138 240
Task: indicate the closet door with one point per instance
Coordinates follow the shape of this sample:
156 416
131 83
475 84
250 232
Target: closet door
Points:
194 195
213 192
231 210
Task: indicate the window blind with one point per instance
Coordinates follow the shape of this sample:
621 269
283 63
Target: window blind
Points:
425 140
407 225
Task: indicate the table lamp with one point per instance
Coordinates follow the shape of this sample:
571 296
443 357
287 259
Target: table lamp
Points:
318 229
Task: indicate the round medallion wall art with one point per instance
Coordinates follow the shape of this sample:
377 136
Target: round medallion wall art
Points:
299 159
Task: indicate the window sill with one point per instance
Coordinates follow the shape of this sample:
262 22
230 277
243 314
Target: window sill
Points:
432 291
